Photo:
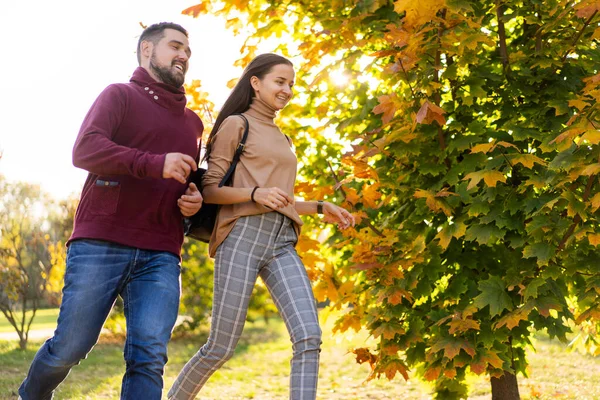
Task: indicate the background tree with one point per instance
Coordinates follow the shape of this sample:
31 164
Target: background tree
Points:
25 260
464 135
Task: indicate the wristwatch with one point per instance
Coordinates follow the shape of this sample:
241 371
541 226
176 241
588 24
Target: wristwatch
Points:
320 207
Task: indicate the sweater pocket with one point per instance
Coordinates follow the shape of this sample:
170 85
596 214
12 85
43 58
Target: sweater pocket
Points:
105 197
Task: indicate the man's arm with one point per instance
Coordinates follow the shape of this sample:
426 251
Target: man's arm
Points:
96 152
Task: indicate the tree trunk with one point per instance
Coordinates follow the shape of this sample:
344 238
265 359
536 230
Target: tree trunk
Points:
505 387
23 344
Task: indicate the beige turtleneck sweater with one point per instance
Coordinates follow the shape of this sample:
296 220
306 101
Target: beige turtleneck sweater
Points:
267 161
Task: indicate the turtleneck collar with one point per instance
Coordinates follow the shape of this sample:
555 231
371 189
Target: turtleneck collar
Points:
261 110
164 95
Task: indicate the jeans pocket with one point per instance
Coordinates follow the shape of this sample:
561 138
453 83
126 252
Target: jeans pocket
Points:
105 197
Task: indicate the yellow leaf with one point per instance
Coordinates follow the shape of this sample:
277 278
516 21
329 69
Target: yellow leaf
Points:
591 137
484 147
569 134
527 160
579 104
591 169
489 177
346 322
595 202
506 144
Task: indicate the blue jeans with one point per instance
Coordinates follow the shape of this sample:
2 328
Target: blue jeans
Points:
97 272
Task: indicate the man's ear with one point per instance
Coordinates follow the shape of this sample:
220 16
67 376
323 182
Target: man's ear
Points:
146 49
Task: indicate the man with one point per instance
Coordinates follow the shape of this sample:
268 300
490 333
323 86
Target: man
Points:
139 143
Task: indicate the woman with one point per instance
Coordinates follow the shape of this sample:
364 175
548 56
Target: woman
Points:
257 228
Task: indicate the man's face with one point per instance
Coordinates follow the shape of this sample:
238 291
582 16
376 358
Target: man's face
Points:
169 59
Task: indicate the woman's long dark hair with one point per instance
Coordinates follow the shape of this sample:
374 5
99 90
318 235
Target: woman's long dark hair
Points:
241 96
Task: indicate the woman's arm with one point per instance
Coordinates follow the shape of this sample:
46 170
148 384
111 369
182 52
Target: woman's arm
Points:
273 197
332 213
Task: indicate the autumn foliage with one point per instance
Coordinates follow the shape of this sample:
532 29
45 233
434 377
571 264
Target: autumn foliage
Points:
464 135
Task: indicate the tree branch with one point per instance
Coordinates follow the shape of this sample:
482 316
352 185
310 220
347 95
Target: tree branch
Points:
576 39
502 35
577 219
337 181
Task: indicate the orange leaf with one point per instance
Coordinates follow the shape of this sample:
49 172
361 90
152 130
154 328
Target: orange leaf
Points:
432 374
586 9
463 325
430 112
450 373
512 319
363 355
387 107
594 239
569 134
198 9
452 347
370 195
390 369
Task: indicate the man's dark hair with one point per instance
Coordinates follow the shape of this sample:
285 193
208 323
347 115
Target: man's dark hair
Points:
154 33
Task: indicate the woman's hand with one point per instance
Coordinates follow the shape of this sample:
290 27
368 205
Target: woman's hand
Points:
337 215
273 197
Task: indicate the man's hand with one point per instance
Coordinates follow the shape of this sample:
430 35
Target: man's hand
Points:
178 166
191 201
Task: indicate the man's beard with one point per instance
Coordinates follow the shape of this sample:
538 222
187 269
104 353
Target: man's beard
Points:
166 75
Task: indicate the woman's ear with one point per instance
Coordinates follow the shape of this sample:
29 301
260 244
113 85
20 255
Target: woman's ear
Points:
254 81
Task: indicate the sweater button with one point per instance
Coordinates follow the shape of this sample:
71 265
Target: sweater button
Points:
146 88
151 92
155 97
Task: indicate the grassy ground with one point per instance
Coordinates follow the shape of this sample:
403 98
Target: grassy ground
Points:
44 319
260 369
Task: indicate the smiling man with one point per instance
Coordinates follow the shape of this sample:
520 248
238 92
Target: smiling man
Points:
138 142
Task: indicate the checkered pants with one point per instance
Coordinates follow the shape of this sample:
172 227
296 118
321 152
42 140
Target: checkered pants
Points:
258 245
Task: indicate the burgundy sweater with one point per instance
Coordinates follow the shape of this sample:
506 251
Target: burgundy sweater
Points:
122 143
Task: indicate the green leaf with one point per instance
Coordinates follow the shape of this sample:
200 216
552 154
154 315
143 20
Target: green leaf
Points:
493 294
531 291
484 234
542 251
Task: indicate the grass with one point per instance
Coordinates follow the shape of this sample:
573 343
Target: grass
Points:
260 369
44 319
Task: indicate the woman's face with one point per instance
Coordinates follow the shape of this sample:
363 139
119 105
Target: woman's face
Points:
275 88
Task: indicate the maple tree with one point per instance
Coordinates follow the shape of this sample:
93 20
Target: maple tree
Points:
464 136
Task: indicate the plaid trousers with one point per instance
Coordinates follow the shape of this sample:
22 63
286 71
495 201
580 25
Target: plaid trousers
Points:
258 245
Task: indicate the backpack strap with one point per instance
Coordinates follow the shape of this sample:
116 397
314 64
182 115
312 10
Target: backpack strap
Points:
238 153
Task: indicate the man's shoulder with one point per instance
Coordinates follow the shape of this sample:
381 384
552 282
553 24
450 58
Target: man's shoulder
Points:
195 118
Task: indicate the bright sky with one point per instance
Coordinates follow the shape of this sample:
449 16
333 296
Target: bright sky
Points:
59 55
